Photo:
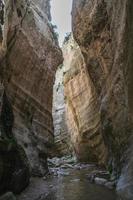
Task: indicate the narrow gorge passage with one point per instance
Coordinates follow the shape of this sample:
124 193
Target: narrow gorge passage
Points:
66 99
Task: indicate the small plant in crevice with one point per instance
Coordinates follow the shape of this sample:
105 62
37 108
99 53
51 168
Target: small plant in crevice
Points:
110 169
58 87
61 66
67 37
53 29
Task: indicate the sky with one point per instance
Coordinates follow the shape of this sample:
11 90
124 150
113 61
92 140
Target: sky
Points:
61 16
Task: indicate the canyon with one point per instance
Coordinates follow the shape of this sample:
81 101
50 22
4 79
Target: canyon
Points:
74 102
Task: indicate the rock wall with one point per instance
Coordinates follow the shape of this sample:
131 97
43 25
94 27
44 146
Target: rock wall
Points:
14 165
82 108
29 58
62 137
104 30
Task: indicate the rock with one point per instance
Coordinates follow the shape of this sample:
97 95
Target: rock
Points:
44 178
125 184
75 180
14 167
103 174
86 166
82 110
104 182
60 166
62 172
54 171
54 162
65 166
69 159
100 174
29 76
91 177
51 186
100 181
21 175
105 38
8 196
110 184
61 162
62 137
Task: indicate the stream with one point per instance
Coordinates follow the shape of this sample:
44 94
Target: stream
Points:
67 182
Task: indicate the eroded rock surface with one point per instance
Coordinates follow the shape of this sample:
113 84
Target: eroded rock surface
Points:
14 165
104 30
83 115
98 86
27 72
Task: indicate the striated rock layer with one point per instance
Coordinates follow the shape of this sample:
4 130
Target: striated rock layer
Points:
82 107
104 30
27 72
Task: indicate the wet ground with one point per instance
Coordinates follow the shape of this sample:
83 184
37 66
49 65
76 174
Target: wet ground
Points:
68 184
77 187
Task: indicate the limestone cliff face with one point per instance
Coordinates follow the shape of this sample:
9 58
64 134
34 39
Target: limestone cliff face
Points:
82 107
62 137
28 71
104 30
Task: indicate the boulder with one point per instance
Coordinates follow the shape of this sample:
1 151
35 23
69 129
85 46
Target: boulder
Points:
100 181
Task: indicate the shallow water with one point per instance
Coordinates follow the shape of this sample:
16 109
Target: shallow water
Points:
76 186
73 185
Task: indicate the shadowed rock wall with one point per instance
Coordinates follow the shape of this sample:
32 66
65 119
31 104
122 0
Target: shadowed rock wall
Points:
104 30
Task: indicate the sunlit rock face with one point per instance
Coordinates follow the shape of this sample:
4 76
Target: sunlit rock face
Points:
28 72
104 31
83 117
61 134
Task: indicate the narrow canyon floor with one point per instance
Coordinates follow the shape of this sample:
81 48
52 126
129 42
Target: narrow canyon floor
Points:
67 180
